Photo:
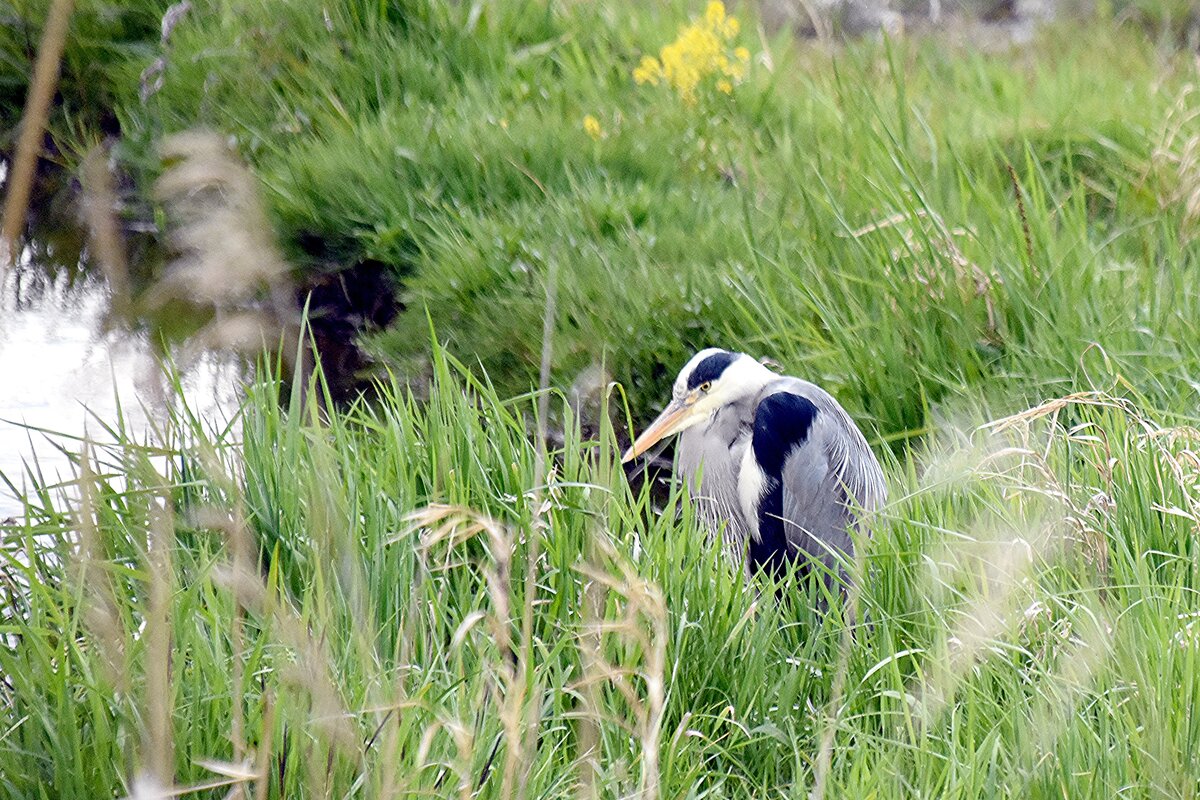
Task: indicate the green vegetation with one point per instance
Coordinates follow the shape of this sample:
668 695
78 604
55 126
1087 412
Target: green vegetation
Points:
1031 619
848 213
938 235
453 148
108 39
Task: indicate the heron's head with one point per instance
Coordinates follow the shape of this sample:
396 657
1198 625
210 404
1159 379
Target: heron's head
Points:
711 379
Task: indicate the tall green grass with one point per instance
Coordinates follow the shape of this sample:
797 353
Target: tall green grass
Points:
1027 627
105 38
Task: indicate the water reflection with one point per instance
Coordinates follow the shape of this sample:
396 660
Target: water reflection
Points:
63 370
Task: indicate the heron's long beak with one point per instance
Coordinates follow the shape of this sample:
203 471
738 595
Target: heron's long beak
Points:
673 419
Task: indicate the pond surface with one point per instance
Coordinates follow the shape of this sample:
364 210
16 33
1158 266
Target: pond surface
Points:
64 374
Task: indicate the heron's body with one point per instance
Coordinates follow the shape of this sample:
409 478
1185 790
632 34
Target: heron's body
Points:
772 462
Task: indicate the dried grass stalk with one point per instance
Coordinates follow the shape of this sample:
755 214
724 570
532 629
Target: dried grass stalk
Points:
33 125
158 739
104 230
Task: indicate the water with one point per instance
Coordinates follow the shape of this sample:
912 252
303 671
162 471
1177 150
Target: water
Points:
62 371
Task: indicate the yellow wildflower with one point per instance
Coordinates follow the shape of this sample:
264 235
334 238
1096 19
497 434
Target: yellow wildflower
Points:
699 56
714 15
689 59
591 126
649 71
720 23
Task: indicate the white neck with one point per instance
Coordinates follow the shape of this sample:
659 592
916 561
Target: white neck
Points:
743 378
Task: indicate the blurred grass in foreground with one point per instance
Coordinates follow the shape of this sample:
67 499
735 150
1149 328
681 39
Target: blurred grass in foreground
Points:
272 613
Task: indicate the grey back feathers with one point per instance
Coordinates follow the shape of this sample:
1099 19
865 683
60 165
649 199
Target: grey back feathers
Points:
779 467
819 474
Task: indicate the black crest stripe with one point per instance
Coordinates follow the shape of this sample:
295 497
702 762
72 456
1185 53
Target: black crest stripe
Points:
710 368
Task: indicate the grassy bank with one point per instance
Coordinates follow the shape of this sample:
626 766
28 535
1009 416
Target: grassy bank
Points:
850 215
848 211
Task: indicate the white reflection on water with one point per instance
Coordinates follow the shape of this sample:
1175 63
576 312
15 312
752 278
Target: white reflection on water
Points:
59 370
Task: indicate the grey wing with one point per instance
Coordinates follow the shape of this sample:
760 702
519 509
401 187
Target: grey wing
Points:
824 486
856 470
820 474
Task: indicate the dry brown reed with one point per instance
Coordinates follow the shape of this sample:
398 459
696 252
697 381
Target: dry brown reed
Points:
640 630
1175 162
453 525
1026 234
158 737
33 125
105 241
227 259
311 671
154 777
837 691
243 562
227 250
591 657
93 582
998 559
154 774
1084 651
522 757
997 565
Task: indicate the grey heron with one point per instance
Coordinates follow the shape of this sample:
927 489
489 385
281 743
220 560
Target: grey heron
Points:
772 461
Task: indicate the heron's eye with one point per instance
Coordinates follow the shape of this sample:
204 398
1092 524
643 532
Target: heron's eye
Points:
704 387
